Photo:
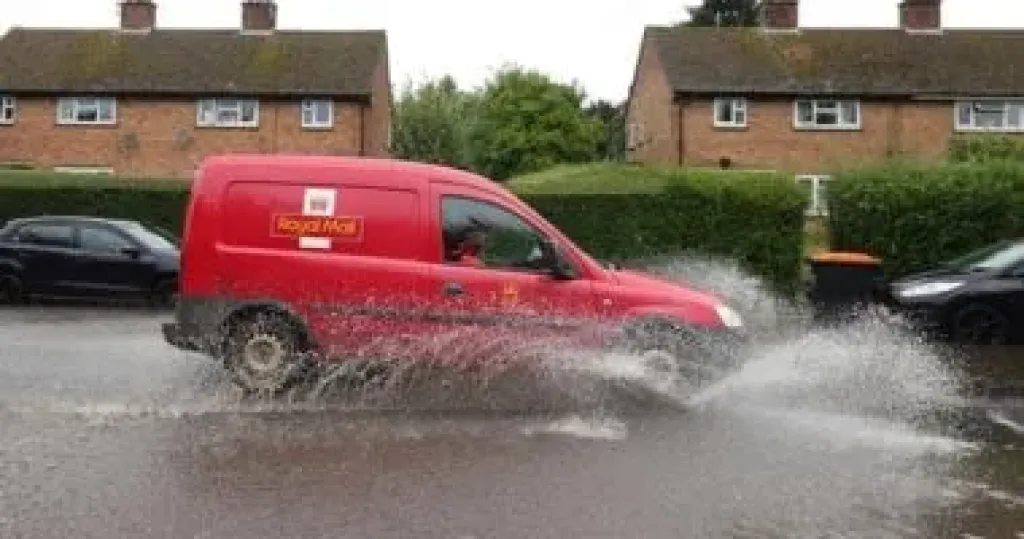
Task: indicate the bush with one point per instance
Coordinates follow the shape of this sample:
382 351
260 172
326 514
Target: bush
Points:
984 148
155 202
616 212
622 212
914 216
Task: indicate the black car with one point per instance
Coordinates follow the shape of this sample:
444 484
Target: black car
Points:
975 299
88 258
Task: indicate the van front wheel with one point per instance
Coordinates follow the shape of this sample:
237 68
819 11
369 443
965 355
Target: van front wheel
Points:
263 353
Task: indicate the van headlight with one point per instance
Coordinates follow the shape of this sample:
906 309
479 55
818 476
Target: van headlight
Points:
729 317
929 289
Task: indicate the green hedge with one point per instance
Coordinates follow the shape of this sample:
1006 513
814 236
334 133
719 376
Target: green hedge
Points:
914 216
616 212
155 202
623 212
982 148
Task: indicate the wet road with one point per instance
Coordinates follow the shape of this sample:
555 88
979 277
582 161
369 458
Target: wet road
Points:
106 432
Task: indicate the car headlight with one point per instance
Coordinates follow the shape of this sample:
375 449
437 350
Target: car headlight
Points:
929 289
729 317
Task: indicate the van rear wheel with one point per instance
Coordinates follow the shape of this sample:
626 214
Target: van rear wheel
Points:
263 353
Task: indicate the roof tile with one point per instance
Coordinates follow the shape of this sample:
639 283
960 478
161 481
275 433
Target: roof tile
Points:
841 61
191 61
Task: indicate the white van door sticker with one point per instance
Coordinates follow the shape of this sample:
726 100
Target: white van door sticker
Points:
320 203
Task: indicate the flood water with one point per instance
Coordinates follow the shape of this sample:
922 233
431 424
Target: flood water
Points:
855 431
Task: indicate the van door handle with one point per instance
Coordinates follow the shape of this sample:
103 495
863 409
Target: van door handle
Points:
453 289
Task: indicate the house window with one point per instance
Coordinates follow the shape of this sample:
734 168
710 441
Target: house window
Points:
826 114
86 111
228 113
7 108
990 115
317 113
731 112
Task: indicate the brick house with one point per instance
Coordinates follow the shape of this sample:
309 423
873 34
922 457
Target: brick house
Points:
809 101
148 101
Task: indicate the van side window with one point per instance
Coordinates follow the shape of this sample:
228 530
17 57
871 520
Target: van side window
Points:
486 235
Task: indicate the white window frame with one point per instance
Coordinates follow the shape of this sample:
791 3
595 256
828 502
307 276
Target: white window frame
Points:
310 106
80 104
821 106
738 118
209 112
8 110
818 205
973 106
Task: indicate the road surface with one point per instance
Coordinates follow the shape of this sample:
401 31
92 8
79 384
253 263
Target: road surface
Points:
106 432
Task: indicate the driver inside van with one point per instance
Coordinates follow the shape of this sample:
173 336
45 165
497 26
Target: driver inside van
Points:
467 244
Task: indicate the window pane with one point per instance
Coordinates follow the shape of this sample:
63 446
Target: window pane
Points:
724 113
106 110
323 112
964 115
740 116
508 242
249 111
827 105
1015 116
826 117
67 110
307 116
805 112
46 235
848 109
98 240
988 120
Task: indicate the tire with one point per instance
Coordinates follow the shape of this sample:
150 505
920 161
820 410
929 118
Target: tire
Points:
980 324
164 294
265 353
11 290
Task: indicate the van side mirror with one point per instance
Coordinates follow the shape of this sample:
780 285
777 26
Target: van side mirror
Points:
554 263
132 252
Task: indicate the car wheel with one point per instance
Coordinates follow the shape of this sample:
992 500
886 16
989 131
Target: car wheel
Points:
11 290
164 293
980 324
264 353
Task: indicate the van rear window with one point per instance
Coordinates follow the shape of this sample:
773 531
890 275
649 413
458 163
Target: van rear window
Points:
366 221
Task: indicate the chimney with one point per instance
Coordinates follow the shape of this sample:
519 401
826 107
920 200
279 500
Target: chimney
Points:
921 15
259 15
138 15
780 14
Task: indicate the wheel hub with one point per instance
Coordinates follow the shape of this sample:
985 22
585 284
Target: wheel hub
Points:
263 354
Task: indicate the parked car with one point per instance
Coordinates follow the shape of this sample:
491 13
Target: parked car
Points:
86 258
975 299
287 257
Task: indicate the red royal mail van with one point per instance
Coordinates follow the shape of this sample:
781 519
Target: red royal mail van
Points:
287 258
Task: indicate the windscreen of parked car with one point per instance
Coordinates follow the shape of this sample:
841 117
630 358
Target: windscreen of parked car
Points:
997 257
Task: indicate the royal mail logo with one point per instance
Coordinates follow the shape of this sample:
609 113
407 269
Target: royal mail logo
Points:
317 226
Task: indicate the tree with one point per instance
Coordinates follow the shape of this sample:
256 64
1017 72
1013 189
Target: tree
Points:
526 122
612 144
725 13
429 123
